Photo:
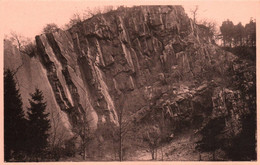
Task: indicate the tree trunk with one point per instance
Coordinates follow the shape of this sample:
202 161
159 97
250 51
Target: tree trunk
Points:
120 150
120 138
152 152
156 154
213 155
199 156
120 128
84 151
84 146
162 131
100 150
162 152
114 149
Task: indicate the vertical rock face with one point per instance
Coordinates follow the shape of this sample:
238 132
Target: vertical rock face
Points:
31 74
140 54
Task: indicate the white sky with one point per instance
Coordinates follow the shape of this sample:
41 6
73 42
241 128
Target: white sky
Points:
29 17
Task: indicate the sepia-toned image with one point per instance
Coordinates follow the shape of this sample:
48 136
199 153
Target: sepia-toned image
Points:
129 82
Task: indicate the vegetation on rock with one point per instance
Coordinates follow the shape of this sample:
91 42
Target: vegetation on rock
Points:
131 81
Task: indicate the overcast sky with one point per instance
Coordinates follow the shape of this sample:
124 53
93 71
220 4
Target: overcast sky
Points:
29 17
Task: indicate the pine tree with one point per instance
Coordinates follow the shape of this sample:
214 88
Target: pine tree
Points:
227 30
14 121
250 29
39 124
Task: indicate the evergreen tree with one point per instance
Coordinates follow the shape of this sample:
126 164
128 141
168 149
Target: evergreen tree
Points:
39 125
239 33
14 121
251 33
227 30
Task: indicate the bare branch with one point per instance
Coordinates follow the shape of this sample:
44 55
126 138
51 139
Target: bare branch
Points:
194 13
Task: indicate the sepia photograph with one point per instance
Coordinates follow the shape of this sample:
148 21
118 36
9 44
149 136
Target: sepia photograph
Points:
129 82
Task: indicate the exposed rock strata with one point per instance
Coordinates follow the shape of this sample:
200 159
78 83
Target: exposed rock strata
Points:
141 54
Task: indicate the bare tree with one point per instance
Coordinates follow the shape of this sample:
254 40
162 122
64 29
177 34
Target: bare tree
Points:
76 18
84 130
194 13
120 121
25 46
85 135
58 133
212 25
120 133
152 137
79 17
57 136
17 39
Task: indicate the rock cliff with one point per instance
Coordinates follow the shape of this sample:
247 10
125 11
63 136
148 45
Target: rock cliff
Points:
130 59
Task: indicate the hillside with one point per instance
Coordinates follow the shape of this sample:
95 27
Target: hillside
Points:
135 69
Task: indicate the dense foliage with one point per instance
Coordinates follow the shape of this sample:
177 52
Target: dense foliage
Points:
238 35
240 146
14 120
211 140
243 146
24 139
50 28
38 125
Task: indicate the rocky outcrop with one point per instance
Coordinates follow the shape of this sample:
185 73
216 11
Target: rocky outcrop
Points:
31 74
141 54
